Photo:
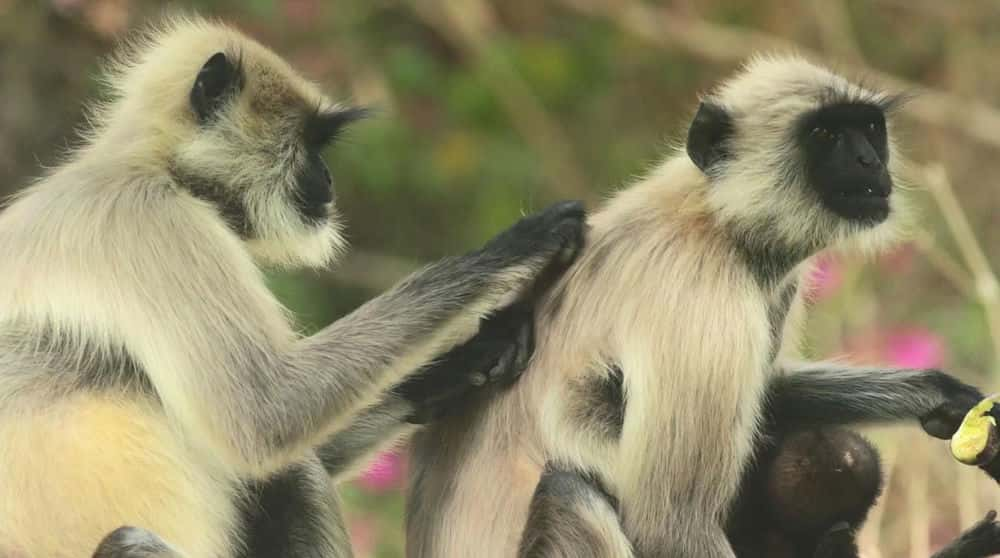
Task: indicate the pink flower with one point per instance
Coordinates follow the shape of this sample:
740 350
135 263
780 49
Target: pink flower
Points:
384 473
825 278
914 348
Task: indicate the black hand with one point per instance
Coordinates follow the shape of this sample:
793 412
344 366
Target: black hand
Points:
561 225
978 541
838 542
944 420
498 354
479 368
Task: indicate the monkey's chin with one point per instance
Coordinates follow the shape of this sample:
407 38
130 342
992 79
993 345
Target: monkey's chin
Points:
868 208
311 245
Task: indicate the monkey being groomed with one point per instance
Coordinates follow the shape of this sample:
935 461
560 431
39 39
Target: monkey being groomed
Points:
673 337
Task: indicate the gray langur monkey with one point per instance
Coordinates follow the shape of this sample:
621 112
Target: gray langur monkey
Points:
148 378
656 348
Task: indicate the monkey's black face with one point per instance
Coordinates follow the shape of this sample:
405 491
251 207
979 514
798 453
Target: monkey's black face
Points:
314 188
846 156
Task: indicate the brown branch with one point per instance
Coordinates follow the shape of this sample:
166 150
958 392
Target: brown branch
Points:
984 281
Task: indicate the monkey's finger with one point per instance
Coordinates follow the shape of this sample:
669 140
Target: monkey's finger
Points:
525 345
479 379
943 422
504 364
837 541
571 210
573 234
533 235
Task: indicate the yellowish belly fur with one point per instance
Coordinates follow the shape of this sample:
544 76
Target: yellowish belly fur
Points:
87 464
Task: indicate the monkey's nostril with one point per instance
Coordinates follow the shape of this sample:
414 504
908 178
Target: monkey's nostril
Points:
867 161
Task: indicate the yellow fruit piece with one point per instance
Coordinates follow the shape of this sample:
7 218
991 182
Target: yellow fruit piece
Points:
977 435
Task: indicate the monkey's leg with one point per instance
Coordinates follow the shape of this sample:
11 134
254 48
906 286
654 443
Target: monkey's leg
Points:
134 542
294 514
978 541
824 394
572 517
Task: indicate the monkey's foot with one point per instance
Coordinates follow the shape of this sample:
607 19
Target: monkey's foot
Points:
978 541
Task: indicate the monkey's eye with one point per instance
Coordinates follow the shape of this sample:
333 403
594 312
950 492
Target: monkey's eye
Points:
821 133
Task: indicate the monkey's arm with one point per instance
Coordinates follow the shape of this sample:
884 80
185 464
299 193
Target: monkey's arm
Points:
376 428
824 394
230 371
571 516
499 352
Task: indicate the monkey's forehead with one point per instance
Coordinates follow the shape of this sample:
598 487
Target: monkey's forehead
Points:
163 60
790 85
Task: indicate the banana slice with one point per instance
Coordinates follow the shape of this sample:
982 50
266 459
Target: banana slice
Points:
976 442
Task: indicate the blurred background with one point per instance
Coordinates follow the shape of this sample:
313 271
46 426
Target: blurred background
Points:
488 109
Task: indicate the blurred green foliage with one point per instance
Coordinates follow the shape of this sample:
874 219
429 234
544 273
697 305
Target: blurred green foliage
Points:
450 156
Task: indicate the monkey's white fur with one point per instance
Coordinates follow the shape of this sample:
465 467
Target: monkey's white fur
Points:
108 265
660 292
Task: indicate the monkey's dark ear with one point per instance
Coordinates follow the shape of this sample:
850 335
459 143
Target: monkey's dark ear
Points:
706 142
218 79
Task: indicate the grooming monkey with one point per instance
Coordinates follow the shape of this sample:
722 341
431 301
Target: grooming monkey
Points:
148 378
656 348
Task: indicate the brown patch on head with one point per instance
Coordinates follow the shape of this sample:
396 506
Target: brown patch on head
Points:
271 94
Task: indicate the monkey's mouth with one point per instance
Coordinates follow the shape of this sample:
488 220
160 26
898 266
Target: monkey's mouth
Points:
866 203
